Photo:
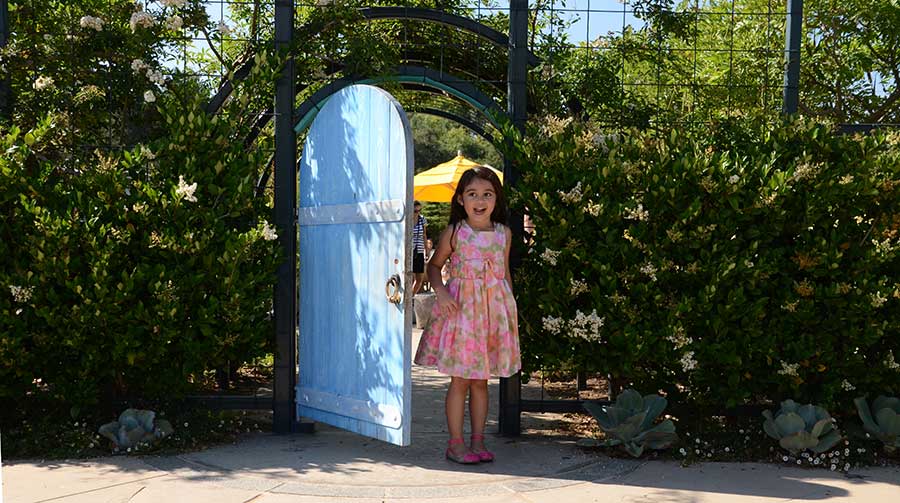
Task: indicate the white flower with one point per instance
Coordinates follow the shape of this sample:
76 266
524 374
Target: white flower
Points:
678 338
845 384
173 3
138 66
42 83
549 256
889 361
20 294
186 191
846 179
638 213
733 179
223 28
805 171
592 209
577 287
91 22
877 299
601 140
553 125
142 19
688 362
572 196
174 23
789 369
586 326
149 97
156 77
650 270
552 324
268 233
147 153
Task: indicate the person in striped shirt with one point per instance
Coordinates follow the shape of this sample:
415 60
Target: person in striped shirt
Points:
419 229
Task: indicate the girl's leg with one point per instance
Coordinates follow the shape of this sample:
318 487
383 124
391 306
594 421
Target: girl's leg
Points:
456 410
478 410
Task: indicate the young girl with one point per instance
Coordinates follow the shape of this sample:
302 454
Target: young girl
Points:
473 333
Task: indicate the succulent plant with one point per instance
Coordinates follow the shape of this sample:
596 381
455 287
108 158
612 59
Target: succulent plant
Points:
135 426
800 427
885 423
629 422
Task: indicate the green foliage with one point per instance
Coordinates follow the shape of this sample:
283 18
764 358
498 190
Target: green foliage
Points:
735 265
885 423
154 260
438 140
630 422
86 76
801 427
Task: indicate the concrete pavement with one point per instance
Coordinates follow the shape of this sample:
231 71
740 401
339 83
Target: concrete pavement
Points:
332 465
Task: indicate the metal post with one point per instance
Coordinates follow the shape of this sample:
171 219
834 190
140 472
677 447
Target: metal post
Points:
793 28
285 300
517 99
5 111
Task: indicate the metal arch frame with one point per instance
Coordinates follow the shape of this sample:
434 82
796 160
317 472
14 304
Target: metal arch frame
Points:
5 108
466 24
462 121
373 13
264 117
422 76
285 294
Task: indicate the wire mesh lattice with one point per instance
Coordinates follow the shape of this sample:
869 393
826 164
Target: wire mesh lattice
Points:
617 62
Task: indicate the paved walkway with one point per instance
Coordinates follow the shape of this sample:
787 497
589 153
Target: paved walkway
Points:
332 465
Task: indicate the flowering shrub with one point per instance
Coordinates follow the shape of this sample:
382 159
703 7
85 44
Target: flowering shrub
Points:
743 264
131 270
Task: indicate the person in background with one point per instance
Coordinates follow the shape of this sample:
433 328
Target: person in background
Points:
420 227
429 251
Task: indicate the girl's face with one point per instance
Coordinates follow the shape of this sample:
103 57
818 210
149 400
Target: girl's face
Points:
478 199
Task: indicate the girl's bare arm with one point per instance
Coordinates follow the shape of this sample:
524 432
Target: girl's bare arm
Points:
441 254
508 246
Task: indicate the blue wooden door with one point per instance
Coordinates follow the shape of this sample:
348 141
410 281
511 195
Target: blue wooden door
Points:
355 216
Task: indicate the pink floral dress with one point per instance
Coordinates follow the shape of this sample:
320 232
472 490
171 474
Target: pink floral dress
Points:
481 339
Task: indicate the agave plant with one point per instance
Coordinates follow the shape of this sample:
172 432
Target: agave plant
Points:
800 427
629 422
885 423
135 426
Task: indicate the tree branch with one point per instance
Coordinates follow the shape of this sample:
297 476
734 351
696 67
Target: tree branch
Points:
879 114
213 47
254 20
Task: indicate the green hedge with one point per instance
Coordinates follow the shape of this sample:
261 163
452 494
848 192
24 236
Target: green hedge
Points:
133 274
740 264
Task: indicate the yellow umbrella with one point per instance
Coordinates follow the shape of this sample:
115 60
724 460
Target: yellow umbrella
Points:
439 183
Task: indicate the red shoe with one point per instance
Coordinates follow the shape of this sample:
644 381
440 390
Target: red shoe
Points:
485 455
468 458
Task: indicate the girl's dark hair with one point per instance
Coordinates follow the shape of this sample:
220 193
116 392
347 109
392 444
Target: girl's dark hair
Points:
458 212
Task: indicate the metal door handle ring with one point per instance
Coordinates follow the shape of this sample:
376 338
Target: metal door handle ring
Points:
392 289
